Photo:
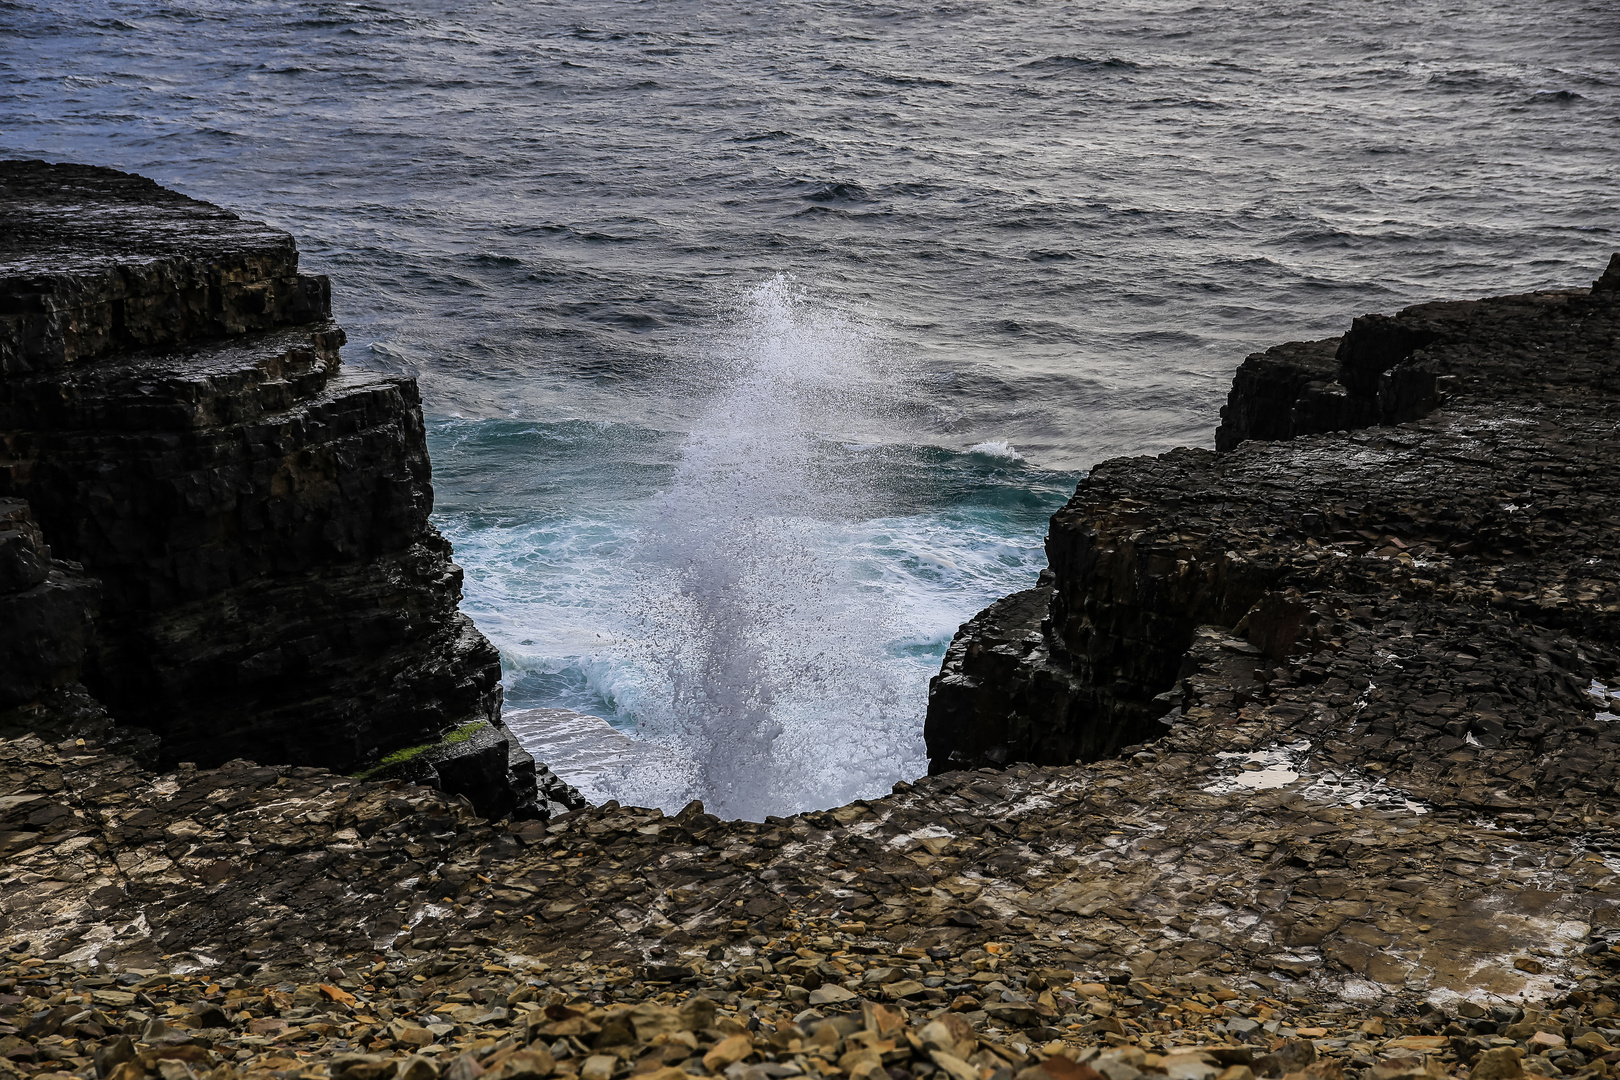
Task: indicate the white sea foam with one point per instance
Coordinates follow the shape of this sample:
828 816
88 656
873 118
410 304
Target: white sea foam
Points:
759 603
590 753
996 448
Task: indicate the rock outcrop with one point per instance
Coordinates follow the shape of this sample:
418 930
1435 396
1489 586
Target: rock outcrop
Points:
254 517
1439 594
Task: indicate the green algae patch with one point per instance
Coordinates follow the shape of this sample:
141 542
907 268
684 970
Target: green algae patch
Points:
399 763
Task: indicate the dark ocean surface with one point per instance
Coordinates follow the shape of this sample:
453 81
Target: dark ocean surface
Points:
758 341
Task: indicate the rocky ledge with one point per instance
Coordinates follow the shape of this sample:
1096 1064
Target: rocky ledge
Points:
210 529
1434 598
1155 868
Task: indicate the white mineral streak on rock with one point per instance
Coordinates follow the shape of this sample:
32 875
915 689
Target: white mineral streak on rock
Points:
1275 767
1283 765
428 911
927 832
1608 701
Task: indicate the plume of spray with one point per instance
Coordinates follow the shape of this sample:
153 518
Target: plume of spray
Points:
755 621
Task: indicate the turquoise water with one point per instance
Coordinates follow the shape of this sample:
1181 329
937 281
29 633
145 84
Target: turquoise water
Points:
769 590
543 514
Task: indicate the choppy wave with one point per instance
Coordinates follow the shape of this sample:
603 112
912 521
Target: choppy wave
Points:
530 207
1081 63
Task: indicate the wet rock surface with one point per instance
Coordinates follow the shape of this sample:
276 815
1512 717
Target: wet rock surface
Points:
251 520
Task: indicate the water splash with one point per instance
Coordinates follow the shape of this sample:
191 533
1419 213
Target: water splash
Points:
997 448
802 539
758 621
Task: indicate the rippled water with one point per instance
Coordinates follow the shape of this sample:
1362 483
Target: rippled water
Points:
1055 228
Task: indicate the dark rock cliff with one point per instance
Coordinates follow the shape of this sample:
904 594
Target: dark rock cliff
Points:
45 605
247 521
1418 518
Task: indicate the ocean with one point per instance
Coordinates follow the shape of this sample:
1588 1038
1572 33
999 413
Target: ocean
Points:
758 341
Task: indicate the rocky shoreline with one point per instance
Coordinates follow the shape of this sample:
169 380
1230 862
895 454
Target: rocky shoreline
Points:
292 922
490 1015
1299 761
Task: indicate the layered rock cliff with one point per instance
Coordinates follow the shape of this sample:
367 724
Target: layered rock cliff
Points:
253 573
1412 531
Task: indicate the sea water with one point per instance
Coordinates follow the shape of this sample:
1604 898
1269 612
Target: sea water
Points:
758 342
766 593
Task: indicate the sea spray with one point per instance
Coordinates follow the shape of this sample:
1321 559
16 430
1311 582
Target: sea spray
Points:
761 632
846 552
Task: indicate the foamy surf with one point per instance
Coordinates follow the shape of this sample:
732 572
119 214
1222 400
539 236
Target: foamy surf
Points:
591 754
996 448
